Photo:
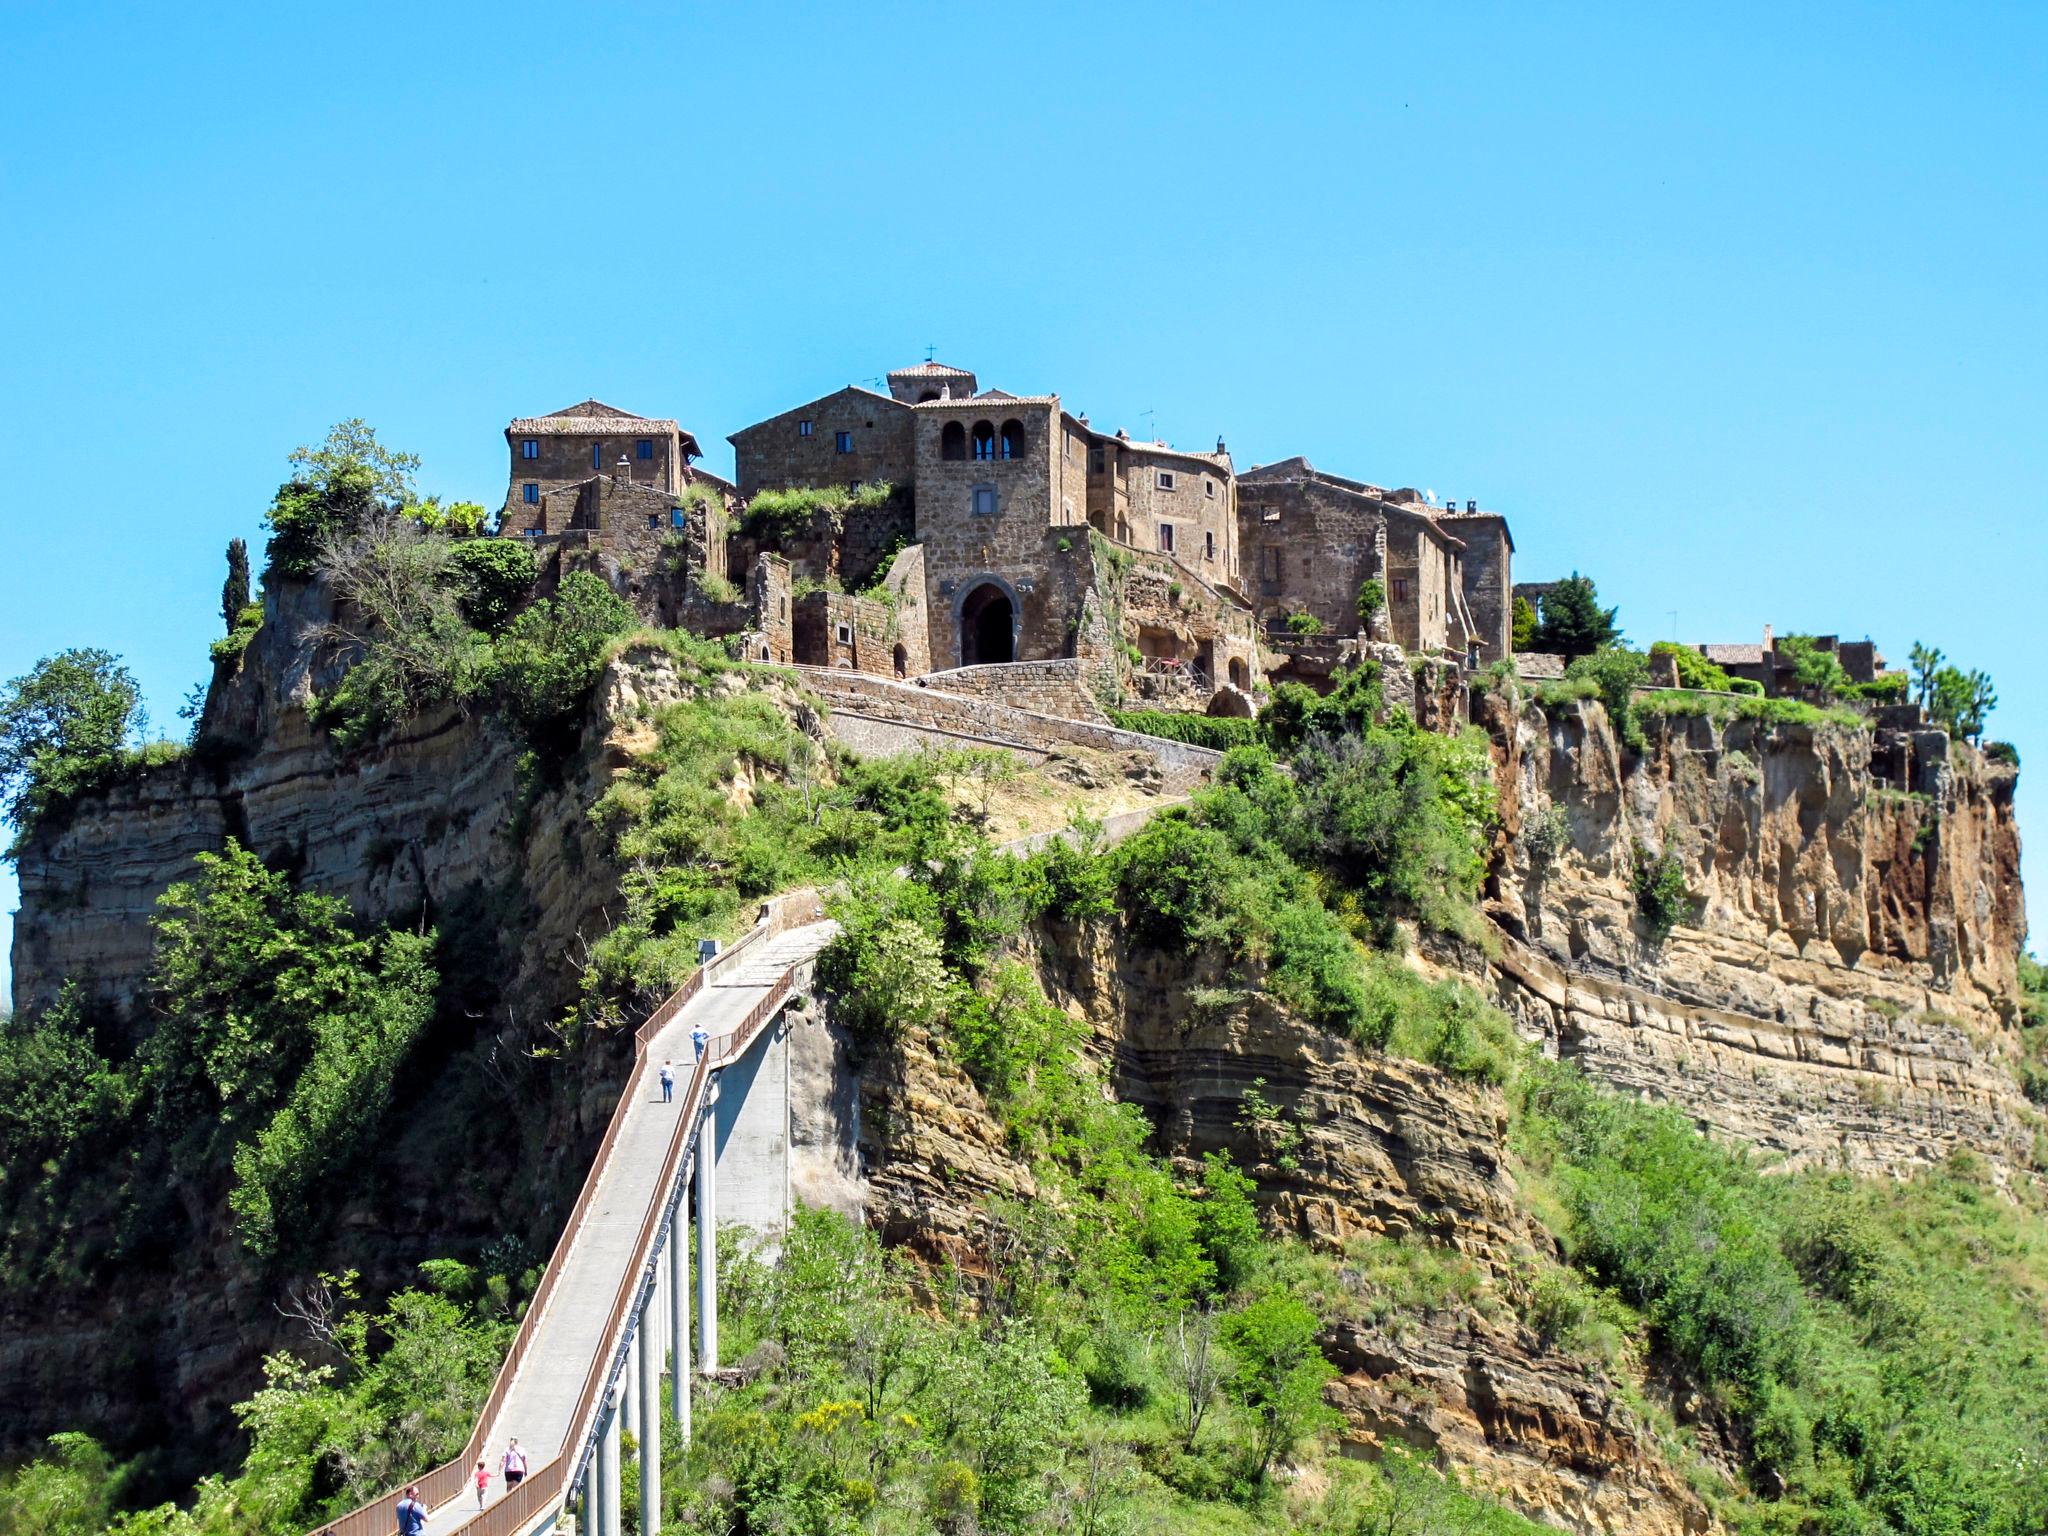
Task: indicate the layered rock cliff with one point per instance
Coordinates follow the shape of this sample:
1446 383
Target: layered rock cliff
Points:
1843 987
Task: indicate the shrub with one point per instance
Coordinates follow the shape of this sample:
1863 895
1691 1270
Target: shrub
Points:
493 577
1694 670
1658 884
1746 685
887 967
796 511
1616 674
1217 733
2002 752
229 648
1546 835
551 655
1302 622
1372 597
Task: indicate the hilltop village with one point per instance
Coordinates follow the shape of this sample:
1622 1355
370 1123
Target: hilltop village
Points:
943 526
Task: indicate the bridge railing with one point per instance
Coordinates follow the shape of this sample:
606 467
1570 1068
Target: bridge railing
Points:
450 1479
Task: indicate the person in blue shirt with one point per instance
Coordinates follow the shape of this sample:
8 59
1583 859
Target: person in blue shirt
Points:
699 1038
412 1514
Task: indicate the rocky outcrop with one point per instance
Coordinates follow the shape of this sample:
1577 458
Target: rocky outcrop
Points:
1842 989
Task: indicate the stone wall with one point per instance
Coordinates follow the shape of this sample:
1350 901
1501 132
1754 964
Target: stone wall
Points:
1049 687
1487 567
838 629
566 460
1182 767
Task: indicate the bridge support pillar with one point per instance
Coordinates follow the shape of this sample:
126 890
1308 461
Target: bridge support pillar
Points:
679 1318
606 1498
707 1232
629 1392
648 1347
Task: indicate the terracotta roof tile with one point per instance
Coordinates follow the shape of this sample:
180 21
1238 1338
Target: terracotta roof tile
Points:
930 371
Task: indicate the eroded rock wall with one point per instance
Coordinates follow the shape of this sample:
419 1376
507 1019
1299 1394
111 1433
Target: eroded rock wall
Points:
1844 989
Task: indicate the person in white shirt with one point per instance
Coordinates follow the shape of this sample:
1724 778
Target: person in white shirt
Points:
515 1466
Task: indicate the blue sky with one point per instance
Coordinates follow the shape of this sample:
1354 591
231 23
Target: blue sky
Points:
1740 311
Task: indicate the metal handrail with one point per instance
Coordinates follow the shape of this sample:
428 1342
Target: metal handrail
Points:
447 1481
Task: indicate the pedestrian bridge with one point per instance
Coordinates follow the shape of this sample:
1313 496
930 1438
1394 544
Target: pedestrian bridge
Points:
614 1302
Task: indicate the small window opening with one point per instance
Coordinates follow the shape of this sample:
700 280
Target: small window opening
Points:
1166 537
529 448
843 441
984 440
803 429
532 491
984 501
1165 481
644 449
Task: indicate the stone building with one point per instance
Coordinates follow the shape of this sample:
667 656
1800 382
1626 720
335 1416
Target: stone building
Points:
1000 493
1776 670
1310 540
590 438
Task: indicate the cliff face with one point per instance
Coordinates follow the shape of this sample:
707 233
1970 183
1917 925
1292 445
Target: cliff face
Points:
1361 1145
1844 989
433 825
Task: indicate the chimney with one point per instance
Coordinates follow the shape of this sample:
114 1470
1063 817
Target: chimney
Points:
1220 449
625 469
1471 506
1767 638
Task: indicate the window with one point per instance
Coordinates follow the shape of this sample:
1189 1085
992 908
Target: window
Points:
677 517
654 520
1013 439
984 501
1166 538
1209 489
1400 589
644 449
597 455
530 491
1165 481
984 440
952 441
529 448
1095 460
1209 545
843 632
803 429
843 441
1269 564
533 533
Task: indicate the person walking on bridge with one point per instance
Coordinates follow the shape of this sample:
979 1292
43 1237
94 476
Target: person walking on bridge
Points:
483 1481
515 1466
412 1514
668 1081
699 1038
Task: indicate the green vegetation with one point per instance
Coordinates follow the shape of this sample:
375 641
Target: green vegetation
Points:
492 578
242 628
733 804
2033 1065
378 1395
1959 701
1694 670
1302 622
1616 674
234 590
1372 597
797 511
265 1071
336 489
1571 621
1883 1385
71 725
1197 730
1657 881
1678 703
1522 619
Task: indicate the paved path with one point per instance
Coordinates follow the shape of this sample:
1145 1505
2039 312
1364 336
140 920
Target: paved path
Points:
544 1395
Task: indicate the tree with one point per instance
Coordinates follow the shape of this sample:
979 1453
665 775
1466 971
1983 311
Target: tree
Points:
554 651
334 491
495 577
63 730
1572 622
398 620
1523 637
1926 662
1195 1366
234 592
353 452
1279 1373
1961 701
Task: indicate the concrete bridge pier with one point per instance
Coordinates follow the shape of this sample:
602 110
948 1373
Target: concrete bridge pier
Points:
679 1318
647 1347
707 1232
606 1497
629 1394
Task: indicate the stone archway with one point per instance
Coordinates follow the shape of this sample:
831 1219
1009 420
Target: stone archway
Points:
987 625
